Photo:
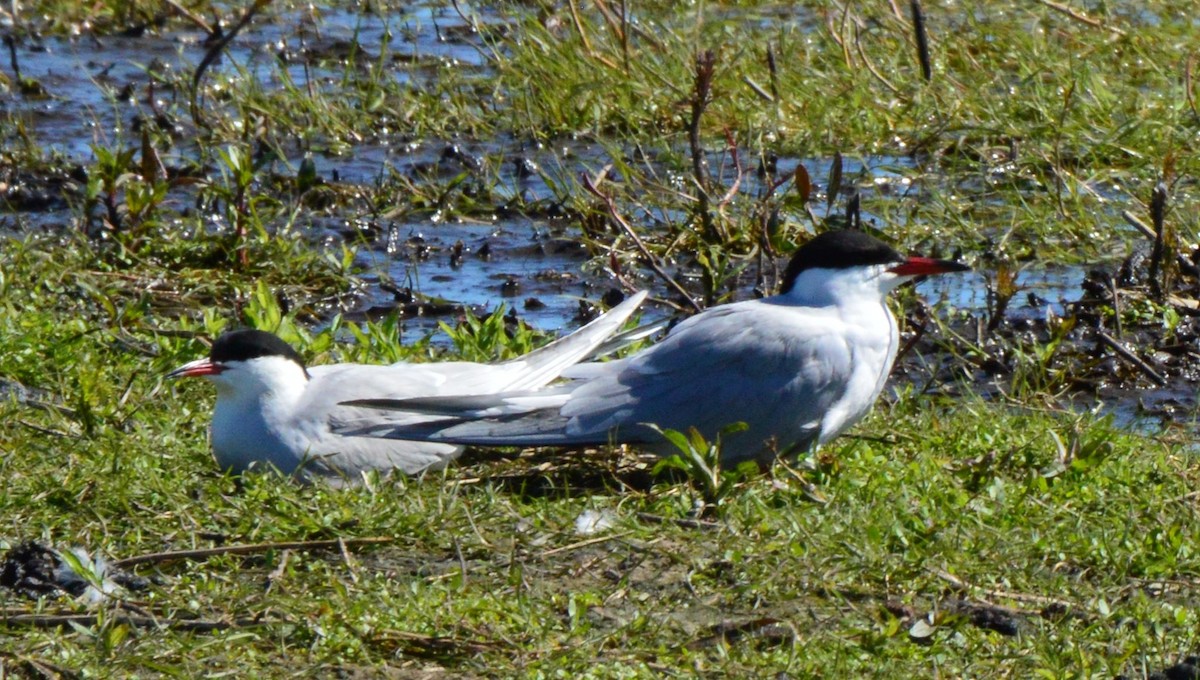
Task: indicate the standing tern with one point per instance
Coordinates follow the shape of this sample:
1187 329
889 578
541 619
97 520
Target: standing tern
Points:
798 368
272 411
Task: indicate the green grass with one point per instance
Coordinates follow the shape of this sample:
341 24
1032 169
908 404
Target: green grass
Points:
486 574
1035 132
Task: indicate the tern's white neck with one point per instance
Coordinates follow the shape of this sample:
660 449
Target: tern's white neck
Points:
848 286
256 402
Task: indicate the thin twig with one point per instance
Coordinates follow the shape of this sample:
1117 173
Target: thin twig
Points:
1131 358
587 44
1138 224
48 431
611 205
348 560
758 89
773 70
276 574
582 544
246 549
434 642
705 64
193 625
960 584
214 52
912 342
11 43
1148 231
685 523
190 16
1185 497
1094 23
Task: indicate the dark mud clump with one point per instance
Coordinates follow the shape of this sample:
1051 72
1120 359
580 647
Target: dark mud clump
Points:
33 570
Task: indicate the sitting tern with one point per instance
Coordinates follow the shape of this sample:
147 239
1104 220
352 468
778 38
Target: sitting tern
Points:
273 411
797 368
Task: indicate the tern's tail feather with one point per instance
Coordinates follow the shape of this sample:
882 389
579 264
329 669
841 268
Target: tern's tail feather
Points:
546 363
626 338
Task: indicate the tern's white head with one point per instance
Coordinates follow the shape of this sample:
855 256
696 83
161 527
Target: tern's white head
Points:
260 380
838 267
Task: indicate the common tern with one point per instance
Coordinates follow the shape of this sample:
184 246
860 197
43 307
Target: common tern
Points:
797 368
273 411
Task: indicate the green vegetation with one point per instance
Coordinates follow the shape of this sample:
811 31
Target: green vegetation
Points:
878 557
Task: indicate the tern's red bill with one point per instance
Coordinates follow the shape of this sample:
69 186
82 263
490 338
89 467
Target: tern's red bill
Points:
923 266
199 367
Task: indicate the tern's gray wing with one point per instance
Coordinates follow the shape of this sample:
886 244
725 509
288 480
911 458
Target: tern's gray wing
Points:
318 415
749 362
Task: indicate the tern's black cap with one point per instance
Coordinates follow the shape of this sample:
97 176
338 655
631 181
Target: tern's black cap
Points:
839 249
249 344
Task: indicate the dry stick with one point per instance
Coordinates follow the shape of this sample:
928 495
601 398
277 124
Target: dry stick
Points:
1148 231
48 431
912 342
193 625
840 37
582 544
613 24
1131 358
246 549
1136 222
347 559
918 20
11 42
758 89
621 26
685 523
1006 594
611 205
190 16
277 573
436 641
870 66
214 52
587 44
625 35
1094 23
